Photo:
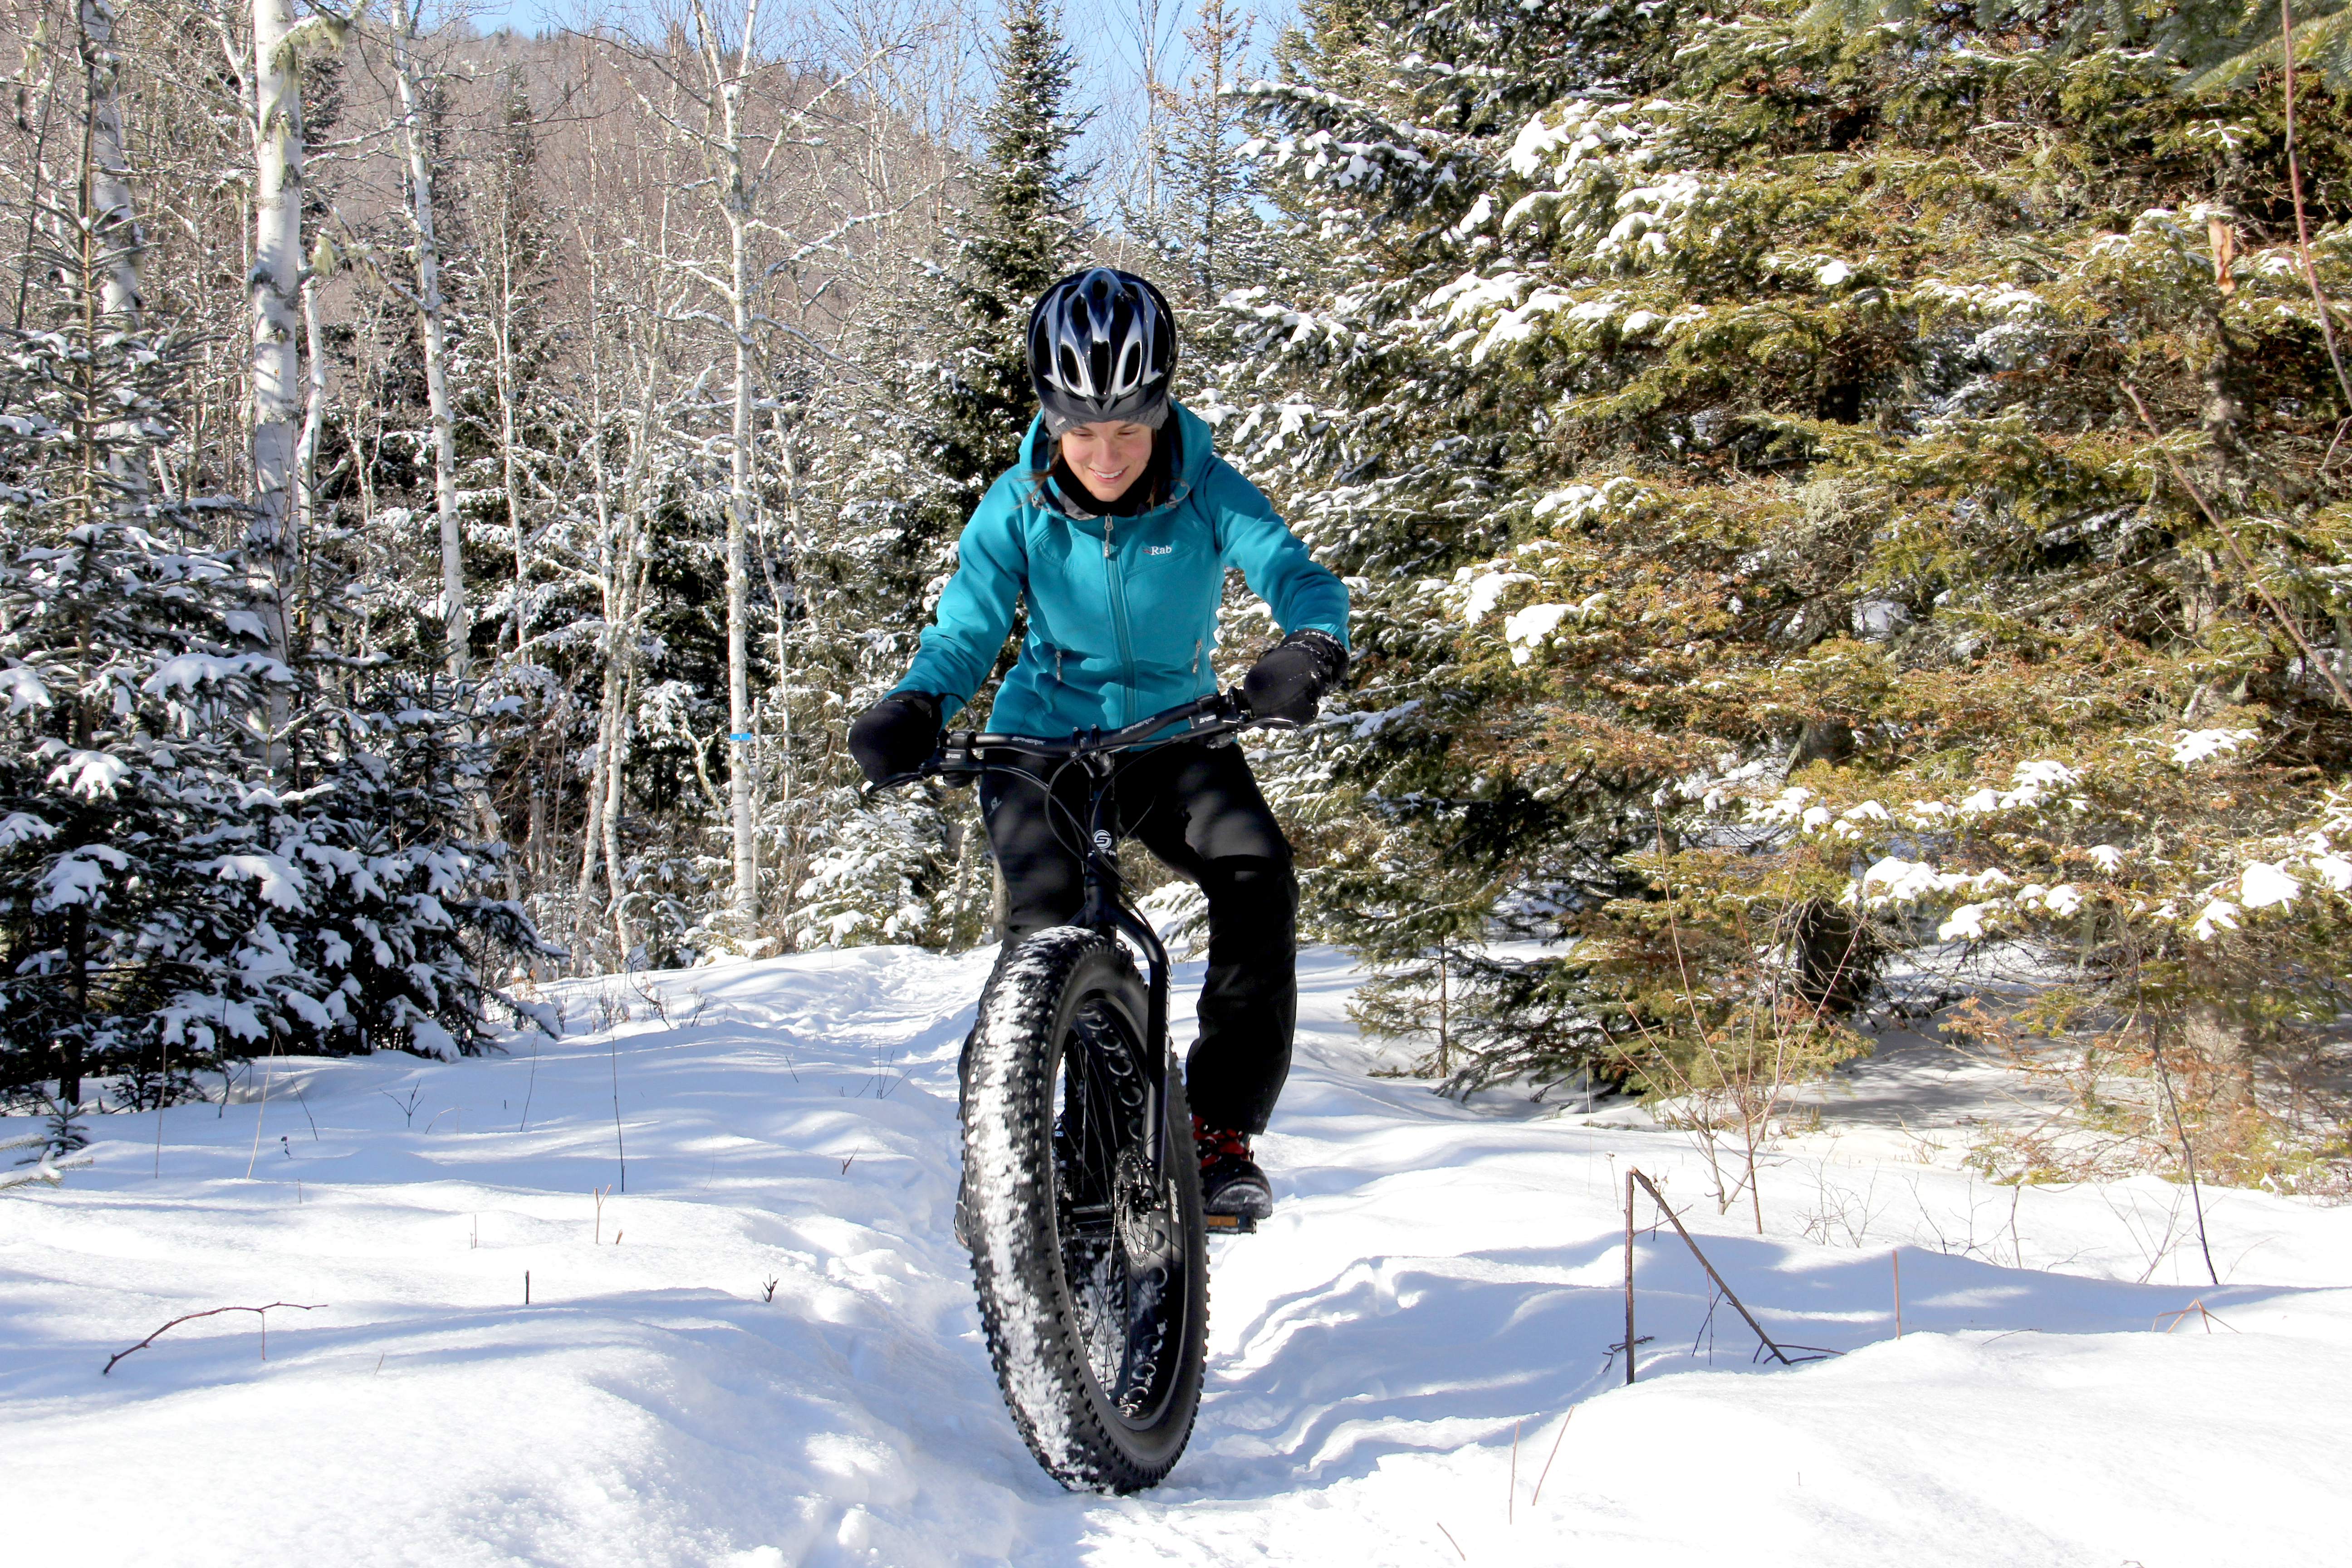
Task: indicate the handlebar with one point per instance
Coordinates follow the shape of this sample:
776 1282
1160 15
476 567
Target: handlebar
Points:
963 755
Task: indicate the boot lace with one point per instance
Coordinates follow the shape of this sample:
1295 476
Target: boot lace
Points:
1218 1143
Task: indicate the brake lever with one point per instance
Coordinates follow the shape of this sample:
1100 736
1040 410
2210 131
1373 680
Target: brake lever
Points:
1231 708
1235 711
936 765
866 793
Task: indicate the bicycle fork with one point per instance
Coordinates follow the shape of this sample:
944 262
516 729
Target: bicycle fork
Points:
1103 910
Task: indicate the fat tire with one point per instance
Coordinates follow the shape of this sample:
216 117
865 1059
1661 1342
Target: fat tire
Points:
1052 984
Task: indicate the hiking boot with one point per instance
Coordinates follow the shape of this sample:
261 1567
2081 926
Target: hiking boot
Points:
1230 1182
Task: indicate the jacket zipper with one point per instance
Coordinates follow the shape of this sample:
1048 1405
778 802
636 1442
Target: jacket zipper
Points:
1118 588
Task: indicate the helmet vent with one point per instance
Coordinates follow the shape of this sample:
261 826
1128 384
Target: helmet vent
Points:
1102 346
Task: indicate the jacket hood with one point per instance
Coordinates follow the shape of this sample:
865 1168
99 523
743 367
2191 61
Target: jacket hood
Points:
1195 438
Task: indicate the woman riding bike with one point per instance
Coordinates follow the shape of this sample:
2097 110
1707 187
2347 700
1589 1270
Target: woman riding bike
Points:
1115 530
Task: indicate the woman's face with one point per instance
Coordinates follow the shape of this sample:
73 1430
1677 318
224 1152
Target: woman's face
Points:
1107 457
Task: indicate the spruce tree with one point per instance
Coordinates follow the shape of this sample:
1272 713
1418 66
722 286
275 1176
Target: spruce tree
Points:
1024 231
915 451
1822 499
1391 453
129 660
168 901
1208 232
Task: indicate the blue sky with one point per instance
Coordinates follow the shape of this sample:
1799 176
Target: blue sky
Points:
1102 30
1104 35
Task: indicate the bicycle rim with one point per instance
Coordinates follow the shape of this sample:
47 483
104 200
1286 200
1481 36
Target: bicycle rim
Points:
1095 1304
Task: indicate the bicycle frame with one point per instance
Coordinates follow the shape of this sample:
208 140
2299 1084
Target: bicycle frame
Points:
965 756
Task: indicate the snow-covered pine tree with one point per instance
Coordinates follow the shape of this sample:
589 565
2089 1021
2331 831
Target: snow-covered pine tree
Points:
130 659
395 909
185 877
165 903
1393 455
1024 230
1837 596
1207 231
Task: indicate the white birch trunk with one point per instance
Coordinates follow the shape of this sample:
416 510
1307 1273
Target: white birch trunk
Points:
592 838
738 680
314 418
276 283
502 328
623 564
112 243
456 615
592 843
781 699
736 201
114 224
622 673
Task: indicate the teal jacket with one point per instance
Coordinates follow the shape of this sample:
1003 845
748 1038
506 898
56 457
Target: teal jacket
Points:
1122 610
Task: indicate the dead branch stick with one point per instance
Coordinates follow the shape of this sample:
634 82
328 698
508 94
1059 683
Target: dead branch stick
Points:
2188 1152
212 1312
1553 1455
2181 1315
1630 1340
1511 1497
2245 564
1659 1198
2302 226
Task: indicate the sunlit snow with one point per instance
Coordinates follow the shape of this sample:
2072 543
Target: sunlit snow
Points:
759 1348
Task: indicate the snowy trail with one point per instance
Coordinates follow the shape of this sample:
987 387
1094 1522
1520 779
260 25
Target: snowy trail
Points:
1438 1278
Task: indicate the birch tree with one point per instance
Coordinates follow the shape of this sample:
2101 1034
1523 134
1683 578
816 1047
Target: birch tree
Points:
272 549
276 283
738 194
740 124
112 234
457 618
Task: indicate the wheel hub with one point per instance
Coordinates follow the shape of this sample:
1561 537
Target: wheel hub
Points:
1145 1211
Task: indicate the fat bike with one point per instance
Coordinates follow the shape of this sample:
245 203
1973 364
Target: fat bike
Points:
1081 1199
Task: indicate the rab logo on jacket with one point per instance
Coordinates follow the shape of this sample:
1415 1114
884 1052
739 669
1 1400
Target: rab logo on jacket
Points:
1160 550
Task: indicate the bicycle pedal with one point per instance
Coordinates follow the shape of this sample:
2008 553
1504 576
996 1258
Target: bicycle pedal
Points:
1230 1224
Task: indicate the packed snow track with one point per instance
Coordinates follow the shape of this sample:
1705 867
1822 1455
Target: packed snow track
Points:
760 1348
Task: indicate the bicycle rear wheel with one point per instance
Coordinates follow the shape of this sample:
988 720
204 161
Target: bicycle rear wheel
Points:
1093 1279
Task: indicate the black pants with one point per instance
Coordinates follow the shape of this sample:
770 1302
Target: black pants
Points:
1198 810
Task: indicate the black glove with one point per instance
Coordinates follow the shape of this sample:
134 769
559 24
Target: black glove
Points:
1291 680
896 735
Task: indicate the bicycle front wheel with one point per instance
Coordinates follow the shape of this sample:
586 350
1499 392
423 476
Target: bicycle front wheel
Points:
1093 1278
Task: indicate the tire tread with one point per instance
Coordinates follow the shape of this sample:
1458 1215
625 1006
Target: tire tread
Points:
1026 1313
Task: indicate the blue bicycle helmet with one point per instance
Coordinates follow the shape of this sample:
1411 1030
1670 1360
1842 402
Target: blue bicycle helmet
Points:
1102 345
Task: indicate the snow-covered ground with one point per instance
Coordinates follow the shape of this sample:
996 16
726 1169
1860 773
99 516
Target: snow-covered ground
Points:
764 1351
